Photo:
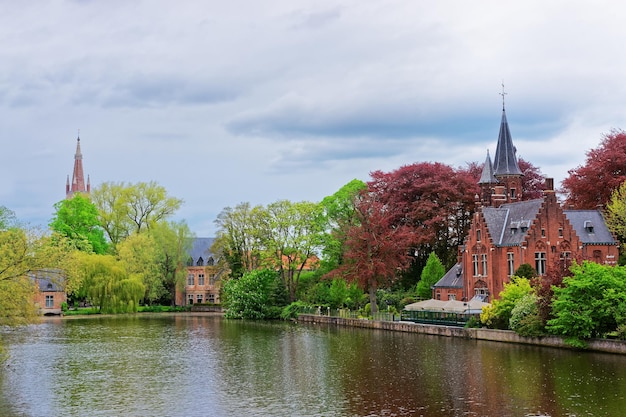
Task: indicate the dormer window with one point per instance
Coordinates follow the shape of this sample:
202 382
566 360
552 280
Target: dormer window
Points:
588 226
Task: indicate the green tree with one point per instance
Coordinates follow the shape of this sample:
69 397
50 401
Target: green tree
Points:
23 251
525 319
525 271
432 272
251 296
498 315
291 238
339 213
238 238
173 242
132 208
591 303
7 218
77 220
108 285
615 213
139 253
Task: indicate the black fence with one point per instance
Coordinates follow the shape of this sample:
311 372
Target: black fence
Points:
437 317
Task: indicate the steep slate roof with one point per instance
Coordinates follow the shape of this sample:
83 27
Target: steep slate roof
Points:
487 177
508 224
582 219
201 247
452 279
505 161
48 280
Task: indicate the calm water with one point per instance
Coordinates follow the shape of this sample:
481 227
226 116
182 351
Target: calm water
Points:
184 365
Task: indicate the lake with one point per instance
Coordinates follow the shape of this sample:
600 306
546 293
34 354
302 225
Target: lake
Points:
204 365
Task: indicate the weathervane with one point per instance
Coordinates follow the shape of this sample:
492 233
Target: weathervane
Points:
502 94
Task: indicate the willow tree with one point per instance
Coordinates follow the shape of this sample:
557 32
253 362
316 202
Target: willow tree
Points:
139 253
108 285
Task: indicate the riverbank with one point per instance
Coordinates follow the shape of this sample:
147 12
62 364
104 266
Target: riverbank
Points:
505 336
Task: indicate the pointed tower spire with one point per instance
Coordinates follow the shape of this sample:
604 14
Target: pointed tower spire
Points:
78 177
487 182
487 176
505 167
505 161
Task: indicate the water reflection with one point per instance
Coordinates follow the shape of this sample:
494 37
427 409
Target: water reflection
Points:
174 365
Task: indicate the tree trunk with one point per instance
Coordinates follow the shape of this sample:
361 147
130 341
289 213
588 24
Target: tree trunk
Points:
372 293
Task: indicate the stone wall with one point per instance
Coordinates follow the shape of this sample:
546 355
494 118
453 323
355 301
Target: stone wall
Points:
506 336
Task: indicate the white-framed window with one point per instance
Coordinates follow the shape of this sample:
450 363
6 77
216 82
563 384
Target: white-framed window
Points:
189 299
451 296
211 298
190 278
199 299
510 259
49 301
200 279
483 259
475 264
540 263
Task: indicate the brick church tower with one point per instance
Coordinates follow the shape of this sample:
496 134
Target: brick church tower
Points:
78 184
501 182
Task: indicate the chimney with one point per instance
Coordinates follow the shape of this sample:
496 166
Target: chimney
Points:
549 185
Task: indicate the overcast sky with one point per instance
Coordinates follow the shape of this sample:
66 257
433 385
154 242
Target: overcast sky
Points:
223 102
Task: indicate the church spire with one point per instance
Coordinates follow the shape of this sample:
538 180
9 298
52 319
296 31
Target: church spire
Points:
505 162
502 182
78 177
487 177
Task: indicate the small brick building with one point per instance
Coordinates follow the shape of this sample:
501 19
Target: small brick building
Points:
507 232
202 284
49 290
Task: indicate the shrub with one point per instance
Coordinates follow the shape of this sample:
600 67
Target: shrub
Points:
292 310
525 319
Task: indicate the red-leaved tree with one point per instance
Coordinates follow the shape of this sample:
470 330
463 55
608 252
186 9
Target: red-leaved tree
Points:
591 185
376 248
436 200
533 181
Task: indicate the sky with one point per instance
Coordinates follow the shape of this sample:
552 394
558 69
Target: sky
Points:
224 102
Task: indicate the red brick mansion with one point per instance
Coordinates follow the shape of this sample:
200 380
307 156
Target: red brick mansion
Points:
507 231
